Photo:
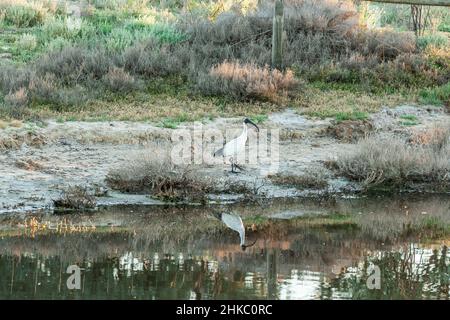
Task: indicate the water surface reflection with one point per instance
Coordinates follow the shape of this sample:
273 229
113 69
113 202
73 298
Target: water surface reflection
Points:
191 255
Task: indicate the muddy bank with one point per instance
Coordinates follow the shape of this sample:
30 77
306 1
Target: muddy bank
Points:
39 162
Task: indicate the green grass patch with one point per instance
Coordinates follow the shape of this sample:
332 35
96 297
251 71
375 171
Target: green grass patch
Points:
257 220
259 118
435 40
444 27
174 122
354 115
409 123
436 96
410 117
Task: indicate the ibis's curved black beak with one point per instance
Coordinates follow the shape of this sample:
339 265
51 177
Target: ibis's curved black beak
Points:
244 246
252 123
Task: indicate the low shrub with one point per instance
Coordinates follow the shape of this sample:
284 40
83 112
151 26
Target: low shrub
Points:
27 42
73 65
435 40
389 160
57 27
43 88
18 98
436 137
436 95
15 104
75 198
13 78
22 16
118 80
386 44
246 81
156 174
152 58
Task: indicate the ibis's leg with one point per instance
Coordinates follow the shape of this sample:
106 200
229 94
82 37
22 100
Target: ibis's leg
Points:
233 165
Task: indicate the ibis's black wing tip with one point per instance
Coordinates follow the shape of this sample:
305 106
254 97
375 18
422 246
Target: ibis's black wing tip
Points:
218 153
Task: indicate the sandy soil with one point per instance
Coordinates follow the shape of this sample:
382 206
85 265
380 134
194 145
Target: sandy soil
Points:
39 162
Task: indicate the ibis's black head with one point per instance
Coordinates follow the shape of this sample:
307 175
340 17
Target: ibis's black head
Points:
248 121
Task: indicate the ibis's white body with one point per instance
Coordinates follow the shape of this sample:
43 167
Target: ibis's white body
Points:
234 222
234 147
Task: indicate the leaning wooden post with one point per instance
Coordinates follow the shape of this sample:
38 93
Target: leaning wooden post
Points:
277 35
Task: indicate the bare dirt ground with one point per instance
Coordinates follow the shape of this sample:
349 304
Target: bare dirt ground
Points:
39 162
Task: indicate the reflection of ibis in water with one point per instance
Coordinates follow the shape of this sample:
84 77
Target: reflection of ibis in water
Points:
235 223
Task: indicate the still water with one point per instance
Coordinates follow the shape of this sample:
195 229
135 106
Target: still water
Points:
303 250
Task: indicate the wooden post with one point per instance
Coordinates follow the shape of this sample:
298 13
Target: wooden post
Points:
277 35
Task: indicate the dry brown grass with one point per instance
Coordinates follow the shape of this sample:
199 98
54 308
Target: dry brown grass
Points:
18 98
391 161
118 80
328 103
29 164
75 198
157 174
247 81
436 137
15 105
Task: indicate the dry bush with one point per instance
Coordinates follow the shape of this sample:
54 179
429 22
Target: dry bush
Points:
316 31
18 98
150 59
440 57
43 88
29 164
156 174
77 198
389 160
13 78
386 44
405 70
16 102
119 80
436 137
318 34
322 16
73 65
246 81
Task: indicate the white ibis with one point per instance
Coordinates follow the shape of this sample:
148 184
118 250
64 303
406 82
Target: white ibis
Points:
234 222
234 147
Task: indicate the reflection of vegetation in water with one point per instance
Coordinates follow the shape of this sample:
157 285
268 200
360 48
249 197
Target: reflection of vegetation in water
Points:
410 274
175 253
414 273
124 277
320 262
